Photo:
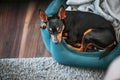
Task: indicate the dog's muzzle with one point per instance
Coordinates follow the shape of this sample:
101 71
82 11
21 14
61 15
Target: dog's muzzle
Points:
56 38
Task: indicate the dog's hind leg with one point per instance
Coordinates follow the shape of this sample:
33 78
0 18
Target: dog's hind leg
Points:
84 41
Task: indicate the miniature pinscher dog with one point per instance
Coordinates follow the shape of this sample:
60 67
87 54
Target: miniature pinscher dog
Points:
81 30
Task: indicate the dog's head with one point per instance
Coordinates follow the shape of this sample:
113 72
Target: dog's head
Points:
54 24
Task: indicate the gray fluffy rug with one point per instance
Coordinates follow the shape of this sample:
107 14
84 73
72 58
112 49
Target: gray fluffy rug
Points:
44 68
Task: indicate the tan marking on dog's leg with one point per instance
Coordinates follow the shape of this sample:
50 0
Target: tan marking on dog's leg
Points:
74 48
110 45
87 31
81 48
83 45
78 44
89 46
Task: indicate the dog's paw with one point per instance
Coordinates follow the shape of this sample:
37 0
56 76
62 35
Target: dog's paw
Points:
81 49
43 26
78 45
65 34
74 48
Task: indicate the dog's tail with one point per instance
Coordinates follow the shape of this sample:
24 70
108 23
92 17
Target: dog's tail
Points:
108 50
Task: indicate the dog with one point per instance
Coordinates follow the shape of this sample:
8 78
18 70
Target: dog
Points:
81 30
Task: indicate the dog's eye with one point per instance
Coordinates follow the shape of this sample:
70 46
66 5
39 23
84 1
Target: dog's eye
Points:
50 30
59 30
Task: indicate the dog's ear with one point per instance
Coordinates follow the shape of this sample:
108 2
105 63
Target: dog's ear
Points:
62 13
43 16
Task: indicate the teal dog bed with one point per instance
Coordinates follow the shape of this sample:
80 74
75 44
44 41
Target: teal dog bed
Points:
64 55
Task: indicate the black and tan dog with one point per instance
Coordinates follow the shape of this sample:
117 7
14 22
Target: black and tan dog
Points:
80 29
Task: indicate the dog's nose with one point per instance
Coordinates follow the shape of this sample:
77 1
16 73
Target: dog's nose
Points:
55 41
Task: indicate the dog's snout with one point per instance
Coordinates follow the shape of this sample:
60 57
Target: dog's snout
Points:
55 40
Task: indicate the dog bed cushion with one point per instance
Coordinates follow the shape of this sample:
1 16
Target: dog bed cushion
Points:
64 55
